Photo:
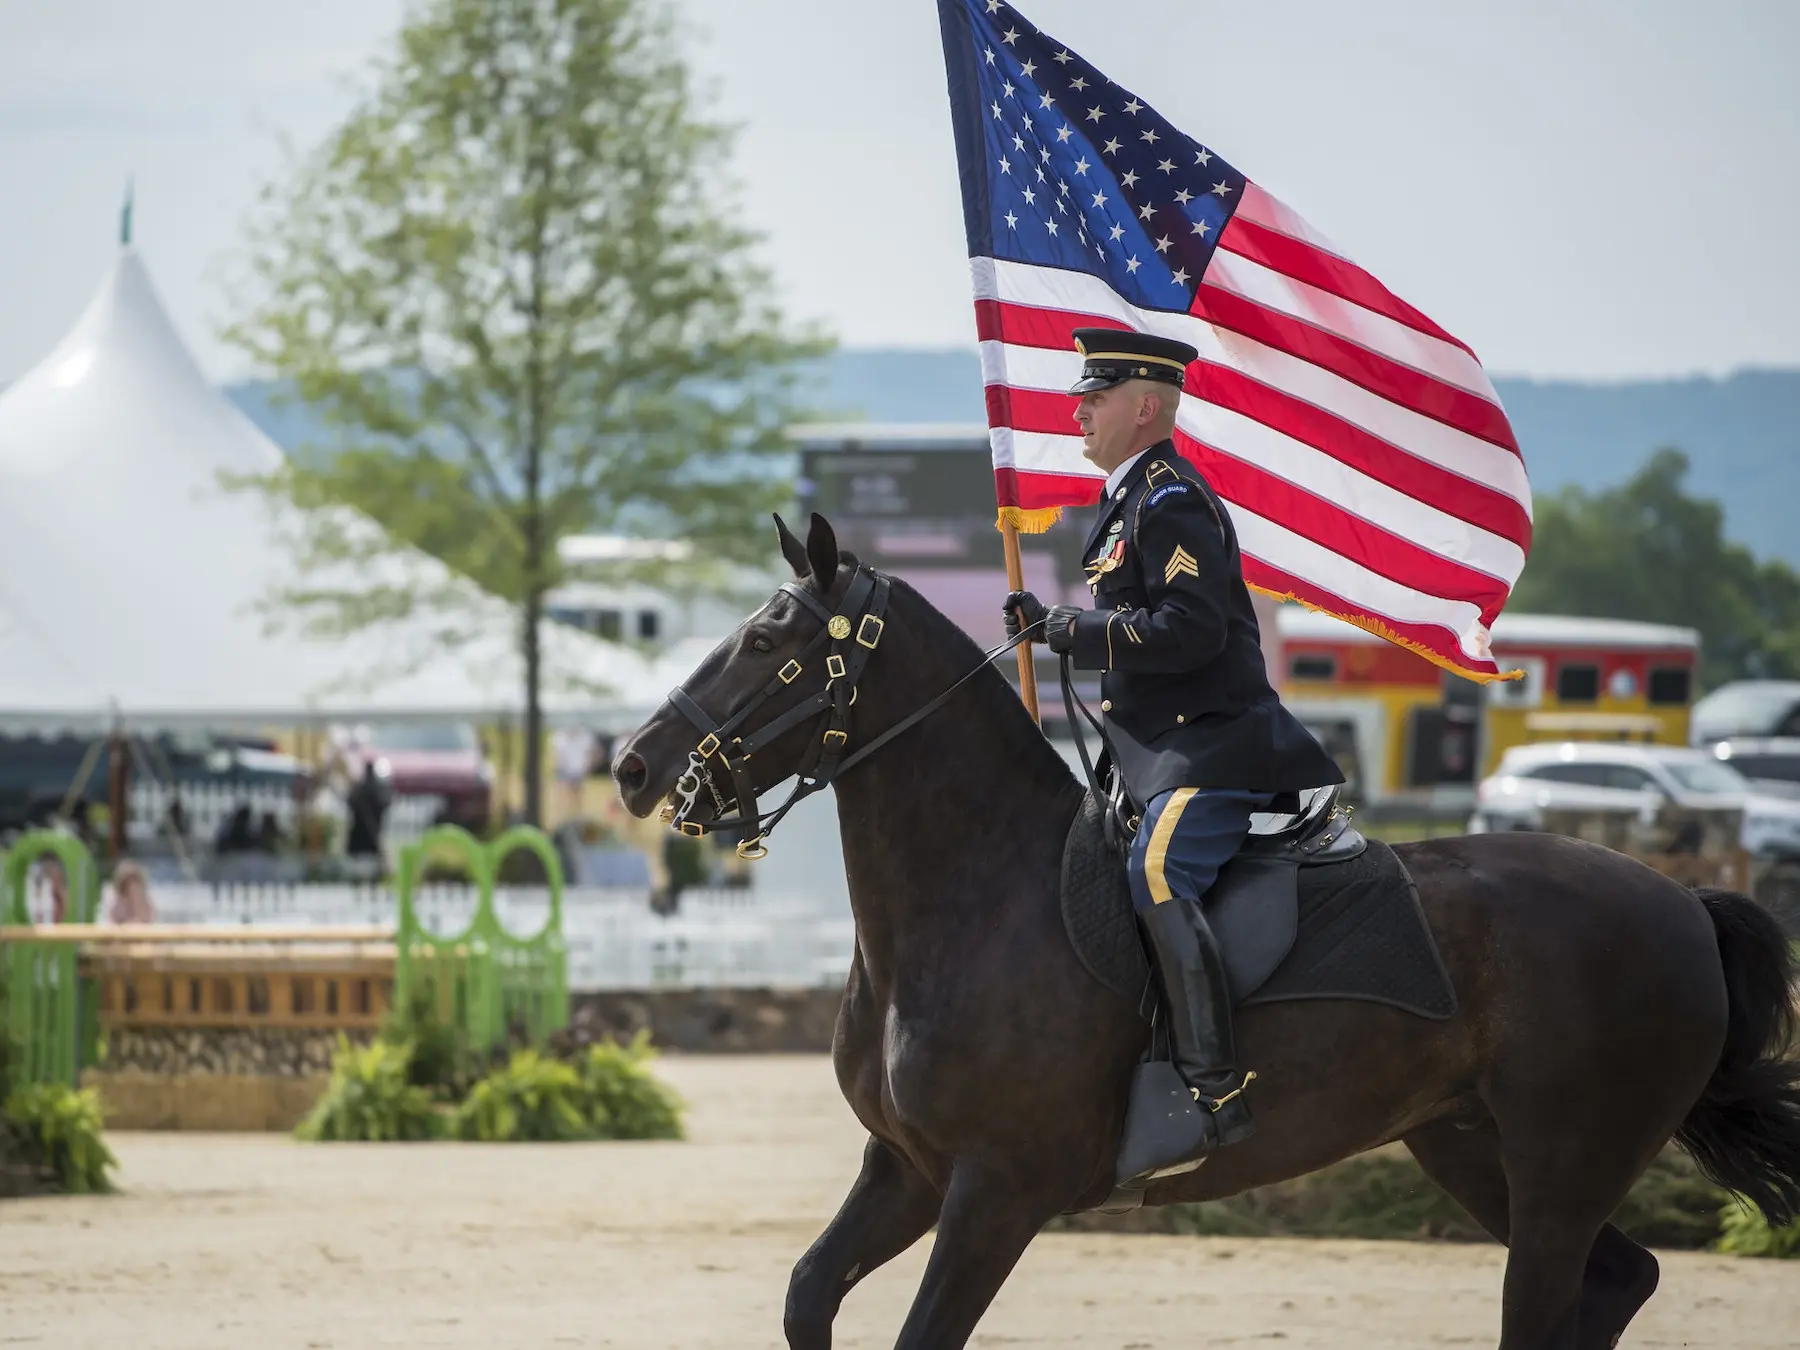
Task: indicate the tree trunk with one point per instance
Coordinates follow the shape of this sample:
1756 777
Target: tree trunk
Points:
534 712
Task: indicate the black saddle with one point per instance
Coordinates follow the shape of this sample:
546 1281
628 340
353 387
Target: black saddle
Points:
1254 906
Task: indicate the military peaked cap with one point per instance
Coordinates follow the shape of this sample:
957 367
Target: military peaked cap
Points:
1112 355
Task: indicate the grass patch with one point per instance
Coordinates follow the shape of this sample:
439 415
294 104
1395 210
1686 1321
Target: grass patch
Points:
1385 1195
1747 1233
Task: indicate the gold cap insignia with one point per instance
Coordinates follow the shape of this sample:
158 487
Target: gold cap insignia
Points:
839 627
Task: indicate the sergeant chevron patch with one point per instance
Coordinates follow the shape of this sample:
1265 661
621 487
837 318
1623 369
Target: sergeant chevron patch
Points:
1181 561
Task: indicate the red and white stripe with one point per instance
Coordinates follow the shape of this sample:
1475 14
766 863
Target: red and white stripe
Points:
1366 460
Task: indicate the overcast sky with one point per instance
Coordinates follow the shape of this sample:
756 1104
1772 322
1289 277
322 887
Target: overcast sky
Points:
1575 187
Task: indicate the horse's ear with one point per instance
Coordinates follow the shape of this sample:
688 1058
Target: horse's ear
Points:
822 552
792 549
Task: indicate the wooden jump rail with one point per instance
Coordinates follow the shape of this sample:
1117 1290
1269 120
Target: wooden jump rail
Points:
193 976
72 980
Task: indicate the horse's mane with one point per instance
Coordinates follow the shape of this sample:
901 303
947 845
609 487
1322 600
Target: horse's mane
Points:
1021 741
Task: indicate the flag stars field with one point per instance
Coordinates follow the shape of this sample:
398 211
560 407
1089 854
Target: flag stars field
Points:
1365 458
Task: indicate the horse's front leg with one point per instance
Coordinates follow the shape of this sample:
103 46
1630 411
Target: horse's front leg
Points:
890 1207
989 1217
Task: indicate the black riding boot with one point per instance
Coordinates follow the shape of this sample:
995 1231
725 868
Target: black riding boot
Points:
1198 997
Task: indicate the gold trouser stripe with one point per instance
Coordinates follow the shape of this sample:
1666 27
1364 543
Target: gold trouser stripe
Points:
1158 851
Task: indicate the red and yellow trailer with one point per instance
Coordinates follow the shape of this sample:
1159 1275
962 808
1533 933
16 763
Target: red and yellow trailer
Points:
1412 727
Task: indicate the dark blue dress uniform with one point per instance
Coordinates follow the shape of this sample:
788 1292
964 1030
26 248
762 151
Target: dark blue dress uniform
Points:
1198 734
1185 694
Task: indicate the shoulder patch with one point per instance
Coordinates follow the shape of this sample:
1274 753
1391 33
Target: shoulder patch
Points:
1176 489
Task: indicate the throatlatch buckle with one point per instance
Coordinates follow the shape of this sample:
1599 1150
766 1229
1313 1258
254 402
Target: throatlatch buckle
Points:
790 672
709 747
692 829
842 739
862 632
834 666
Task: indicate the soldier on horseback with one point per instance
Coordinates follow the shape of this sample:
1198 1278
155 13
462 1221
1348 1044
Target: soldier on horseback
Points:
1192 724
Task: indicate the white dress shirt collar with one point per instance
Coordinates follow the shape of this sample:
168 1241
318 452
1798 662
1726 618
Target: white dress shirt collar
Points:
1116 478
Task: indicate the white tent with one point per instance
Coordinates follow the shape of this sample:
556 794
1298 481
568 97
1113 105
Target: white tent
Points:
130 577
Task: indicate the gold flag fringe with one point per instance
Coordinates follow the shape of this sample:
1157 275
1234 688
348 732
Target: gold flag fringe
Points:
1386 634
1028 520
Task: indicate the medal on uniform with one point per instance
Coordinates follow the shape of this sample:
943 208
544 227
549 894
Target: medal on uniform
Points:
1107 561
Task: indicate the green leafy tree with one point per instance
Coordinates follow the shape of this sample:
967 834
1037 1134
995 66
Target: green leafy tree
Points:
514 283
1648 550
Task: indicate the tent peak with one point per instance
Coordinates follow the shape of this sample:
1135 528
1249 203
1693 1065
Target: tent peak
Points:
125 215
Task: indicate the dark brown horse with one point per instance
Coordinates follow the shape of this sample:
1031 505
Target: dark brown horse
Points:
1603 1008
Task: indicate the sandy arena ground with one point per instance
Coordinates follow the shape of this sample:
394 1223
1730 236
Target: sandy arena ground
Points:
232 1241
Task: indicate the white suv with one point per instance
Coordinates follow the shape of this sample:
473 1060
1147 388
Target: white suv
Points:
1613 776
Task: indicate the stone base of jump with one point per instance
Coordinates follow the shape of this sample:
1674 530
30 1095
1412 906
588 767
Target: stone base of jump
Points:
711 1021
234 1102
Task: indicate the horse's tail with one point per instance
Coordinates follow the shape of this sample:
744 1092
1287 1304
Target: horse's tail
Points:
1744 1132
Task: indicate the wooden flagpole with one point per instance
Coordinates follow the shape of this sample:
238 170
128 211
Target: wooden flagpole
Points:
1015 581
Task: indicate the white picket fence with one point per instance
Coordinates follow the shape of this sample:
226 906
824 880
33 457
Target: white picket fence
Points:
719 939
209 805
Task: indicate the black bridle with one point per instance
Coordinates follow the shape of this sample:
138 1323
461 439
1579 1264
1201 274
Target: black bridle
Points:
852 633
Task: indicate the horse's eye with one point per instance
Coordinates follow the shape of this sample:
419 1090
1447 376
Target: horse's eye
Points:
762 644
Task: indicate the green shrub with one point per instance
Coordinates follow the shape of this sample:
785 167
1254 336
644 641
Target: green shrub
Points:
1747 1233
62 1129
7 1051
1671 1205
530 1099
626 1095
371 1098
440 1060
688 861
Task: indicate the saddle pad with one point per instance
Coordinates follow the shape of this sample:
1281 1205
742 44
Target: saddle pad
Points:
1362 933
1096 908
1363 936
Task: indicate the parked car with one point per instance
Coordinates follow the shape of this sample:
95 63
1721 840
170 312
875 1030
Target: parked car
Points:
1770 762
427 759
38 772
1746 708
1615 776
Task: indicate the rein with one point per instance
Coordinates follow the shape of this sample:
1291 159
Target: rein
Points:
1119 820
853 634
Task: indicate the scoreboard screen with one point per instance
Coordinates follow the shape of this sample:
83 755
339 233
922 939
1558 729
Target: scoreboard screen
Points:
919 502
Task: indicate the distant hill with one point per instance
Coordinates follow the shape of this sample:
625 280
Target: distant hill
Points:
1741 432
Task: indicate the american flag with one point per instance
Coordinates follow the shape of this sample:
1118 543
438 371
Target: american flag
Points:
1366 460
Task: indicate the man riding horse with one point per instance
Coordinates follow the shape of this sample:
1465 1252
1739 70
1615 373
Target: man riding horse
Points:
1196 731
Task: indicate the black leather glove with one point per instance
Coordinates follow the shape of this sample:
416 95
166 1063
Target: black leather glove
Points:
1025 603
1059 627
1055 618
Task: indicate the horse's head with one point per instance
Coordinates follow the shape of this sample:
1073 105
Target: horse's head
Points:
769 702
